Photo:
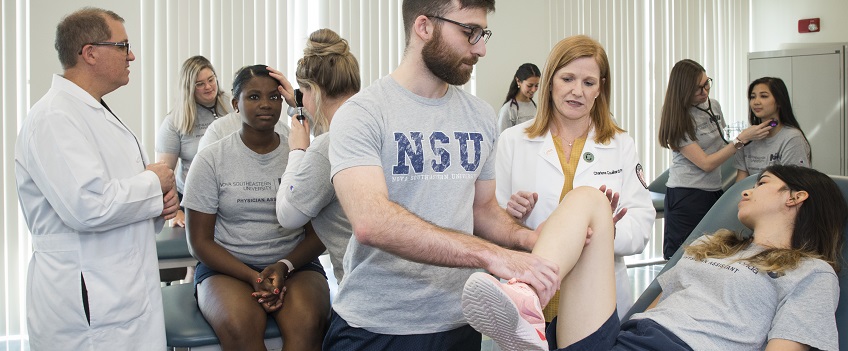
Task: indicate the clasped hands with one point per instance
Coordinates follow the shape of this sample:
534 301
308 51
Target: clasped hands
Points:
167 182
269 287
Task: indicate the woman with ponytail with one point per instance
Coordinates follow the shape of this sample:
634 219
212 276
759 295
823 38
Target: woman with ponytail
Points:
691 126
328 75
519 105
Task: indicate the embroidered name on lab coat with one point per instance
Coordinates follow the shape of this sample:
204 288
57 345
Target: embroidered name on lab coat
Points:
609 172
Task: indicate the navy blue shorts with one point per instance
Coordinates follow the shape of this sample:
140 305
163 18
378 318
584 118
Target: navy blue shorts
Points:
635 334
343 337
202 271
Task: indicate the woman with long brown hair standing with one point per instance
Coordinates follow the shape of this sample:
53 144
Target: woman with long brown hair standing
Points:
692 127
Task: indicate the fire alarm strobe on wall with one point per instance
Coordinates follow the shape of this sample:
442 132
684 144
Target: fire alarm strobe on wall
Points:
809 25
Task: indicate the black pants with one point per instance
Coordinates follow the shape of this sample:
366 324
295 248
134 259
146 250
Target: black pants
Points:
684 209
343 337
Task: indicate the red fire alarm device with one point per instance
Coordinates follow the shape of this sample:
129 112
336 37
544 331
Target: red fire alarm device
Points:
809 25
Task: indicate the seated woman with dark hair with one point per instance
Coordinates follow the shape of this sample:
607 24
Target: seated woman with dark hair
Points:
249 265
785 144
775 290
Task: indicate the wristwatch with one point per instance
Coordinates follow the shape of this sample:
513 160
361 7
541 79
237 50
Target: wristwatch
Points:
738 144
288 264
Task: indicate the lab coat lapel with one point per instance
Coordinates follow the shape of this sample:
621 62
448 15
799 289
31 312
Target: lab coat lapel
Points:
69 87
548 152
548 177
589 156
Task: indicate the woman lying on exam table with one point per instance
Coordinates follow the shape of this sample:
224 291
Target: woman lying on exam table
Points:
775 290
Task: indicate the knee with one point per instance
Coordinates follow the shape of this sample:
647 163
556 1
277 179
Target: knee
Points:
588 196
241 330
306 323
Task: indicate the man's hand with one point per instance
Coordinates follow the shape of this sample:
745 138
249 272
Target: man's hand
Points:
171 204
165 174
540 274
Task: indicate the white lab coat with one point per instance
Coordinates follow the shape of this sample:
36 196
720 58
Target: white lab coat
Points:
93 211
532 164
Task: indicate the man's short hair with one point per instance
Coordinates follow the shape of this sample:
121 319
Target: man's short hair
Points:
411 9
84 26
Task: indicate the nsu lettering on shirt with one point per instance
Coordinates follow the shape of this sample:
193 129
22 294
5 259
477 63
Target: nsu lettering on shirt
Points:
411 149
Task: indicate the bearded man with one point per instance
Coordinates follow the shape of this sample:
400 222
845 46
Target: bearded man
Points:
413 164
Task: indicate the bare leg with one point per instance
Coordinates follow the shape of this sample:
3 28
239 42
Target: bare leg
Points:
510 313
587 292
238 321
304 318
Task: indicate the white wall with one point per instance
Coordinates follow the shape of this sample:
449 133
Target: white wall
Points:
519 35
519 28
44 61
774 23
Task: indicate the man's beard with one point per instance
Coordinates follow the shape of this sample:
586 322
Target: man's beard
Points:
444 63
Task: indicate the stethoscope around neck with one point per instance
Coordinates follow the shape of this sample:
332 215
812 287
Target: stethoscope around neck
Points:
709 111
213 109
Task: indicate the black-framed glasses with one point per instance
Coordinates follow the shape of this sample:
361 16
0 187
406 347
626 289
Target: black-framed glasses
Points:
122 44
476 33
707 86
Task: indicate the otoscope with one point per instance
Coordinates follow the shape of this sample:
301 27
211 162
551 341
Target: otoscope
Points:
298 101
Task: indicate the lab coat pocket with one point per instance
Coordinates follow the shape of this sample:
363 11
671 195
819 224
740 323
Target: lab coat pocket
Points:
55 276
116 289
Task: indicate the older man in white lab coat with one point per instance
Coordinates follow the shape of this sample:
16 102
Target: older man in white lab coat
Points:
92 202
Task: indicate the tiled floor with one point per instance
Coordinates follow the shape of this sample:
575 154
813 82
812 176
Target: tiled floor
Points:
641 277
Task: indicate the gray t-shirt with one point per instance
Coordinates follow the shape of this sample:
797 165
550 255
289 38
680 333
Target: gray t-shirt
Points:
727 304
787 147
240 186
683 173
432 152
511 115
311 192
169 140
230 124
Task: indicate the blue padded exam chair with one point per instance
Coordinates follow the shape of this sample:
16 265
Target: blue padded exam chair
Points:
657 189
723 215
185 326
